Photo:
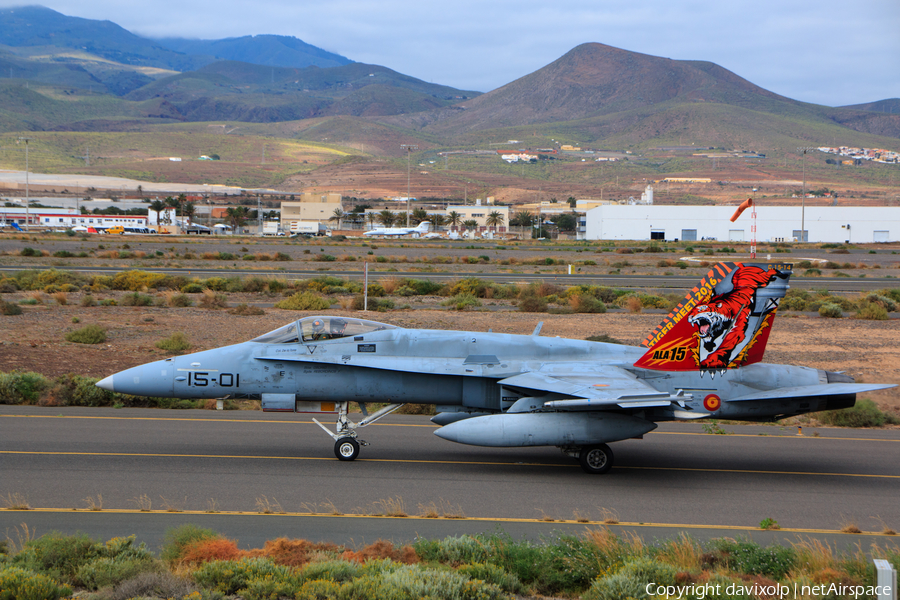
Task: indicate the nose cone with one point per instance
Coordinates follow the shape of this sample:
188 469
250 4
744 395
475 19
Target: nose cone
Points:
107 384
152 379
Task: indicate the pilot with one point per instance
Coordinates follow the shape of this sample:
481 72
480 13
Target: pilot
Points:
337 327
318 330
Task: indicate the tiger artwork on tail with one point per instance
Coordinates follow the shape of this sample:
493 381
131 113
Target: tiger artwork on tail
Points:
722 321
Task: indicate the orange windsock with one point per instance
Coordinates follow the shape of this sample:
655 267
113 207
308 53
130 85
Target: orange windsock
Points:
744 206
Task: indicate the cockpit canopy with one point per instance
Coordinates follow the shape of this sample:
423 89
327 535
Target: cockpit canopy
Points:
315 329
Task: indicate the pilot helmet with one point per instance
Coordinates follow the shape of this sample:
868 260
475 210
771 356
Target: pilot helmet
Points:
338 326
318 325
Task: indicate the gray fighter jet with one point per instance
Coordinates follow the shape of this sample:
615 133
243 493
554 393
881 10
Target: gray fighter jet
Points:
495 389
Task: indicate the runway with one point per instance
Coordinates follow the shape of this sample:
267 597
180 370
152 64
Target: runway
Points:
677 478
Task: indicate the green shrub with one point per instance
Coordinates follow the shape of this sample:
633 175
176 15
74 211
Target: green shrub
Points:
176 343
216 284
27 251
136 299
452 549
89 334
532 304
495 575
192 288
402 582
212 300
135 281
22 388
105 572
77 390
233 576
9 308
872 312
318 589
63 254
864 413
631 580
831 311
462 301
88 300
57 555
304 301
21 584
154 584
584 303
886 302
749 557
180 301
379 304
177 539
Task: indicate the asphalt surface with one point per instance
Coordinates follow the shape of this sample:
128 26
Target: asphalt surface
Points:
624 281
675 479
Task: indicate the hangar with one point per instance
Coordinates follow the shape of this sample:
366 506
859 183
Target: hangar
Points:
837 224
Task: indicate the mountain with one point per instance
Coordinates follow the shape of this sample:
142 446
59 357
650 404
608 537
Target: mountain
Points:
37 29
269 50
889 106
603 91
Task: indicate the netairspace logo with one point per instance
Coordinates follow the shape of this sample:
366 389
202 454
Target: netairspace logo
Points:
701 591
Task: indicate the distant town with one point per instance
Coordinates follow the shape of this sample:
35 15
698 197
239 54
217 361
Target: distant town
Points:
854 154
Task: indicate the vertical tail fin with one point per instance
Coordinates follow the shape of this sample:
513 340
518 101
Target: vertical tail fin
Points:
723 323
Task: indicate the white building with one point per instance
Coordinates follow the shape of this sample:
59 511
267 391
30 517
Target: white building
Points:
61 218
838 224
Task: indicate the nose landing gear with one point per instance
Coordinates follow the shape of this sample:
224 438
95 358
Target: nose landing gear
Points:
346 444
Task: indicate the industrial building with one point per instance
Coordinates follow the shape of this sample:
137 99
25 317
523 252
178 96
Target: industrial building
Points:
63 218
835 224
310 207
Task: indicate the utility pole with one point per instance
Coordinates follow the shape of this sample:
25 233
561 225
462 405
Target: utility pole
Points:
27 200
259 216
803 150
409 149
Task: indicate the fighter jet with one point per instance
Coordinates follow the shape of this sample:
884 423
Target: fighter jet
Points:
421 229
496 389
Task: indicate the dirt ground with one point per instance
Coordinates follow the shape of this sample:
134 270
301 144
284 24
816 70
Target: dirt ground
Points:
35 340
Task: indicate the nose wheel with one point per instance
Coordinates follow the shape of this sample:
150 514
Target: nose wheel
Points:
346 448
346 444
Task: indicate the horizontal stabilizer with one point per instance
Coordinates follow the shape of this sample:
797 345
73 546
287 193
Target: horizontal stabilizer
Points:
811 391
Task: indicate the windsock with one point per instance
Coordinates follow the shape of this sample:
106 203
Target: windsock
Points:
744 206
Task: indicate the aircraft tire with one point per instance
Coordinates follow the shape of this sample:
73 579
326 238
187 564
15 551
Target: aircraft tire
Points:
596 460
346 448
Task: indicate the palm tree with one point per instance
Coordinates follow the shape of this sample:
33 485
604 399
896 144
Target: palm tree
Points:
438 220
494 219
174 203
372 217
454 218
522 219
338 215
386 218
237 215
471 224
157 206
187 210
418 215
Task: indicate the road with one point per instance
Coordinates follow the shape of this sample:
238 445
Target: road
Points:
624 281
677 478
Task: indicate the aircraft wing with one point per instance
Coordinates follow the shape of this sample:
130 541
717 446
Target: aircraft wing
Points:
804 391
605 387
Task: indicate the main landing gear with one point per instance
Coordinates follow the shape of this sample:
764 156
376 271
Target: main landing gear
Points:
346 444
594 460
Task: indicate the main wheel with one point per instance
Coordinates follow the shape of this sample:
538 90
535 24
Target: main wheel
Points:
596 460
346 448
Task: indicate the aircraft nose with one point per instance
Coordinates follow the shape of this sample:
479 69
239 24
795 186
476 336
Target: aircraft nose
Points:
107 384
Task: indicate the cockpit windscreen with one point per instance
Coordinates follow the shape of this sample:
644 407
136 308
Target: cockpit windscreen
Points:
314 329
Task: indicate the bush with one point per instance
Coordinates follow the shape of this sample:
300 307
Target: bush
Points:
532 304
176 343
605 338
631 580
884 301
304 301
864 413
21 584
217 284
462 301
245 310
178 300
584 303
192 288
22 388
378 304
830 310
231 577
212 300
136 299
495 575
89 334
59 556
9 308
26 251
872 312
111 571
749 557
135 281
154 584
177 539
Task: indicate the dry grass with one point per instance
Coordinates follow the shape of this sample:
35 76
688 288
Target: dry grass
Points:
390 284
171 505
611 544
391 507
22 537
813 556
581 517
61 298
634 305
885 530
546 518
268 507
211 299
212 505
441 509
429 511
95 504
346 303
143 503
684 553
609 516
849 525
15 501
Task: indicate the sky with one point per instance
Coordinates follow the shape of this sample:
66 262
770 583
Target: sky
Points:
830 52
